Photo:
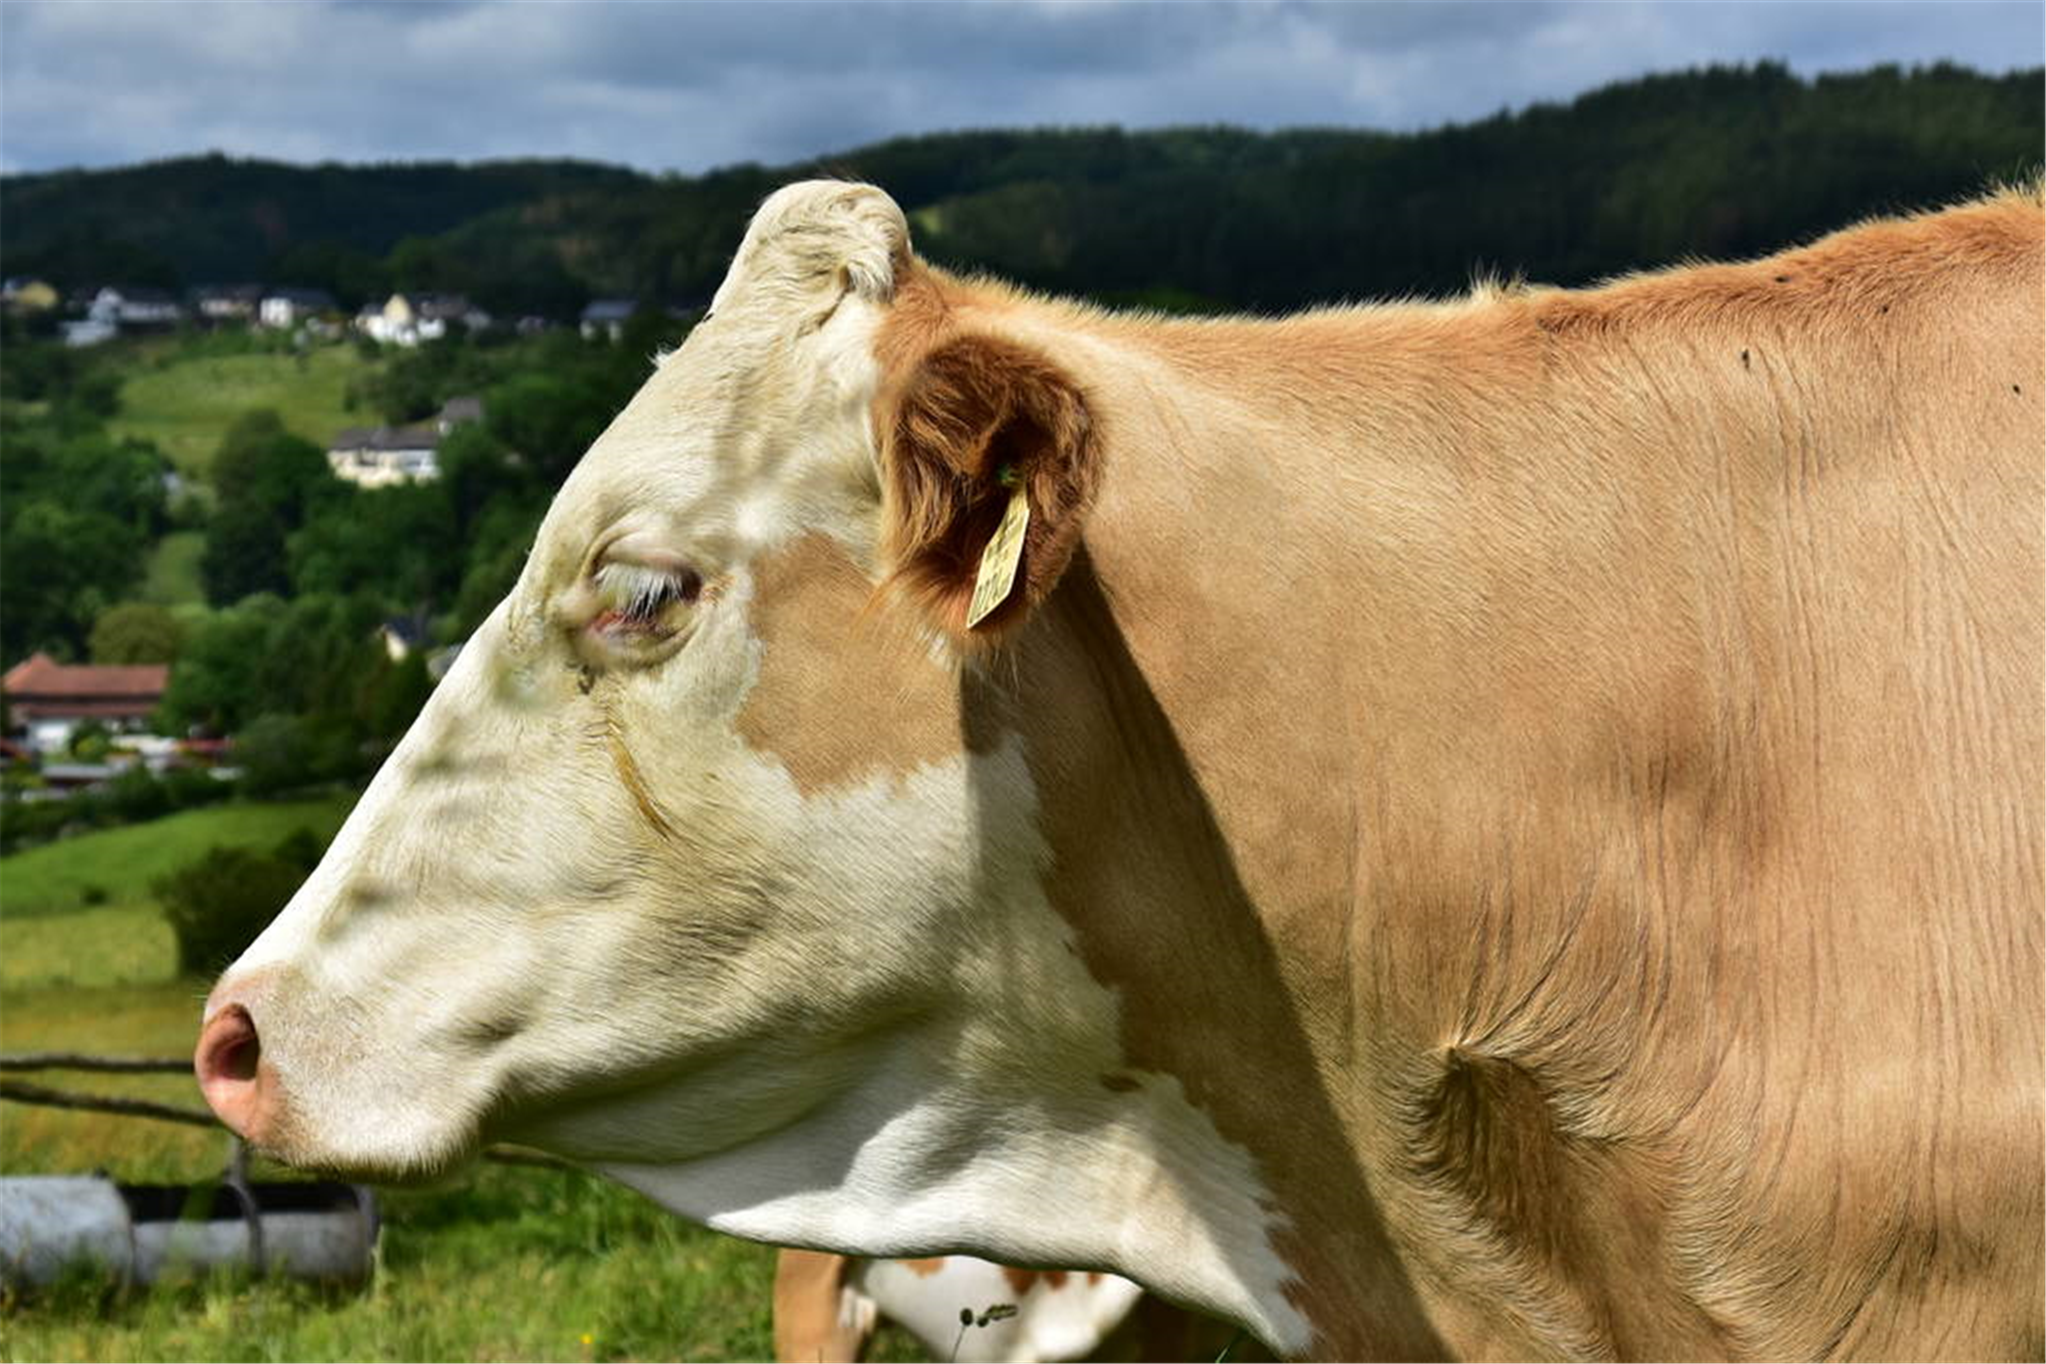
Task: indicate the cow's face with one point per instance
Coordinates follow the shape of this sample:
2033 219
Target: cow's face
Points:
698 832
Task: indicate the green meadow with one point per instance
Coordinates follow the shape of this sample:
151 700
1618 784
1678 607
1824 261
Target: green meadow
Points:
497 1263
185 398
115 866
173 570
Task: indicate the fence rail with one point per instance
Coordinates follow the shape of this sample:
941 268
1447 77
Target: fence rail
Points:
22 1091
72 1060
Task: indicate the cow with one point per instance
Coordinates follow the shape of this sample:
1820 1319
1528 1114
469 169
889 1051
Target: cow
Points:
1496 828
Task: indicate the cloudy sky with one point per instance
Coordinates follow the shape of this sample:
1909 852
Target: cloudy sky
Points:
688 86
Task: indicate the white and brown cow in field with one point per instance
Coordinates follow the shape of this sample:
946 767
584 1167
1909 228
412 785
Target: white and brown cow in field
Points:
1507 828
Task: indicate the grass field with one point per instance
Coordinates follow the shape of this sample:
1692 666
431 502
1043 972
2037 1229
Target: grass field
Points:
497 1263
55 878
173 572
185 403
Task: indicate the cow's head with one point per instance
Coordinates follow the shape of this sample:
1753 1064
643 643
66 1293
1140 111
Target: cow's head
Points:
701 832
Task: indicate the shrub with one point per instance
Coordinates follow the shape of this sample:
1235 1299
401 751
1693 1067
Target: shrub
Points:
300 848
193 786
217 904
135 795
275 753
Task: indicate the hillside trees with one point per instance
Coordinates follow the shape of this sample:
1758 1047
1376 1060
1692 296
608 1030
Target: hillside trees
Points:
268 483
1722 161
135 632
314 664
78 510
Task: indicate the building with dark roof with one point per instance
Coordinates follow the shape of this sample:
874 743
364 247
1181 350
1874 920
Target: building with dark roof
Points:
379 456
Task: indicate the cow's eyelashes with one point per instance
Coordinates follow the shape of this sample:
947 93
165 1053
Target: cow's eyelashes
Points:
638 598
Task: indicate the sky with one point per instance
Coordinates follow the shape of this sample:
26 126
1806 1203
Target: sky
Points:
690 86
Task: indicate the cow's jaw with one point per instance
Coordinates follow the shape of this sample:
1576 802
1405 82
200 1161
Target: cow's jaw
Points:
1031 1145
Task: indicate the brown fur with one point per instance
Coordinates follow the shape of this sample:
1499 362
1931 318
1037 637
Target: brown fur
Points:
843 694
1577 757
965 410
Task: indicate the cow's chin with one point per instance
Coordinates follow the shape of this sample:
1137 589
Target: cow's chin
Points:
412 1165
381 1143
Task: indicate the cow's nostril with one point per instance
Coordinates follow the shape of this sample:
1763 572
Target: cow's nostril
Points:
238 1057
230 1049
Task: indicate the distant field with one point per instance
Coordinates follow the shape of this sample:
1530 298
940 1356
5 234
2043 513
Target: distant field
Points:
105 945
54 878
185 404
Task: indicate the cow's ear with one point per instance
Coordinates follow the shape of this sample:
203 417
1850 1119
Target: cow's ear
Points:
975 423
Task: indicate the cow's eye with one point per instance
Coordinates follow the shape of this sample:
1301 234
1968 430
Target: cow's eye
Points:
640 601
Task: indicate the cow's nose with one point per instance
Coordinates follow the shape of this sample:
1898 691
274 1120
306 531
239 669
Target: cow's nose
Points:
230 1076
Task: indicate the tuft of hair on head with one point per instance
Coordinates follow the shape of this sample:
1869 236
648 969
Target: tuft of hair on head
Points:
831 228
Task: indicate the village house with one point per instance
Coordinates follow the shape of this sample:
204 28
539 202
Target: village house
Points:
408 319
380 456
21 295
115 308
607 317
50 700
87 331
286 307
218 303
131 306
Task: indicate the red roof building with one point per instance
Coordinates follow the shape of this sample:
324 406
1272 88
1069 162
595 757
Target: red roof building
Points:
42 689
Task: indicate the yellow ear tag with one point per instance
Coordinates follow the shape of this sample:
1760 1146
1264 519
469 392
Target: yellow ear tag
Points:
1004 551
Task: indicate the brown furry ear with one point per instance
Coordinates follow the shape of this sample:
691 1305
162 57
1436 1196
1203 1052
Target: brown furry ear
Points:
972 408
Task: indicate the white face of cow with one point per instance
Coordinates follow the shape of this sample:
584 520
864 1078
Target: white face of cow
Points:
629 887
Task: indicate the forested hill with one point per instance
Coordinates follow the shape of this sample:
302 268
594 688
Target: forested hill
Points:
1719 162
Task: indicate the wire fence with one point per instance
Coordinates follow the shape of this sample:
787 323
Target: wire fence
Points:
25 1092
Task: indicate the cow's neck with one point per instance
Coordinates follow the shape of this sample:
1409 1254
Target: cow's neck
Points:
1213 986
1283 717
1278 716
928 1154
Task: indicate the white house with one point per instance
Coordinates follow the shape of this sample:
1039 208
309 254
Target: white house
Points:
606 317
287 307
408 319
87 331
227 302
122 305
380 456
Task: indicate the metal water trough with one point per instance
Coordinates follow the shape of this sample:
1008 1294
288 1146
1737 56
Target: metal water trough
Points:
139 1233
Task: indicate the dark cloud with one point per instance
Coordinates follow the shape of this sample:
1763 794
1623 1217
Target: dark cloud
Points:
689 86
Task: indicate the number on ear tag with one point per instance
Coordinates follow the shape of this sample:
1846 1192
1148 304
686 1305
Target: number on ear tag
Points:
998 561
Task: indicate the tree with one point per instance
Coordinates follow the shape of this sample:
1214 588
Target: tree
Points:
393 544
275 753
260 461
215 682
269 481
548 419
244 553
59 568
135 632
